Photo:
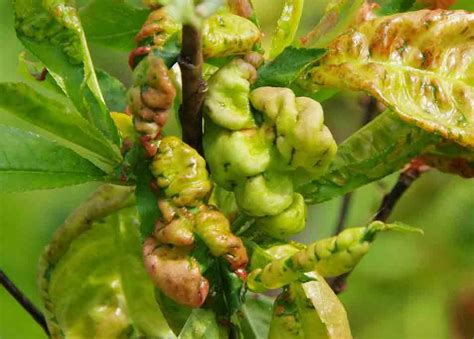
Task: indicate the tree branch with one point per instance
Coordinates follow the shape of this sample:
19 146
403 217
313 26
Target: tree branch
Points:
343 213
410 174
194 87
23 301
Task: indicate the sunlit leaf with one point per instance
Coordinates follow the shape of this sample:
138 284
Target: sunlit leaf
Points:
22 101
52 32
287 26
419 64
309 310
112 23
378 149
29 162
338 17
92 278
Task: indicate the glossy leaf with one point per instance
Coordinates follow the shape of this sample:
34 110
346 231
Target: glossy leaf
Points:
92 277
201 324
28 162
307 311
115 93
378 149
112 23
338 17
51 31
287 26
287 66
427 80
50 115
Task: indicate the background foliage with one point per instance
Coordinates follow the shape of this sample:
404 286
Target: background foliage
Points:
405 287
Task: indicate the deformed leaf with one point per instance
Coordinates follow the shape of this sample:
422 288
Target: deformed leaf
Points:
388 7
112 23
378 149
201 324
52 32
287 66
92 278
53 116
29 162
287 26
419 64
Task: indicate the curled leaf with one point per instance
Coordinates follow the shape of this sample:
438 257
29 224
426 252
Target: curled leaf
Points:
91 275
419 64
287 26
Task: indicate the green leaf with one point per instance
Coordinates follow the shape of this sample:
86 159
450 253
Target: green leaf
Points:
115 93
91 275
51 31
256 316
378 149
287 26
146 200
201 324
287 66
428 80
28 162
338 17
329 308
186 12
112 23
50 115
388 7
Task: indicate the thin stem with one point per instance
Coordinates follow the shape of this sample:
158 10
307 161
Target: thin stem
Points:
194 87
407 177
343 213
23 301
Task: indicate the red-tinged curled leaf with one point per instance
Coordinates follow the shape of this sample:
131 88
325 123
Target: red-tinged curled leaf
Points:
419 64
91 275
29 161
450 158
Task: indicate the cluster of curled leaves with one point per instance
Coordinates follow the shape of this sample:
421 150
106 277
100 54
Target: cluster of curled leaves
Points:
183 243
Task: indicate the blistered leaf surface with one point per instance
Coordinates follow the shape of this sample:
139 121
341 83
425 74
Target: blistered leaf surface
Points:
419 64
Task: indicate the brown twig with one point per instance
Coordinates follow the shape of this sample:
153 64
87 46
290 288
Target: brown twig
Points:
194 87
409 174
343 213
23 301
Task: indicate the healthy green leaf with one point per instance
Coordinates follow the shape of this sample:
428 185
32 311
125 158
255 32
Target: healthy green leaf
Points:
92 277
28 162
388 7
50 115
112 23
201 324
256 316
338 17
419 64
378 149
146 200
287 66
115 93
51 31
287 26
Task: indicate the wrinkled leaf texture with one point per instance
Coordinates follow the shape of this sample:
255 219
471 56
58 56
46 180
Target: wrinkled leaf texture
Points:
51 31
92 278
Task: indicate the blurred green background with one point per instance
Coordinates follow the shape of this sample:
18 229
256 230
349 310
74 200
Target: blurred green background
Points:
408 286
